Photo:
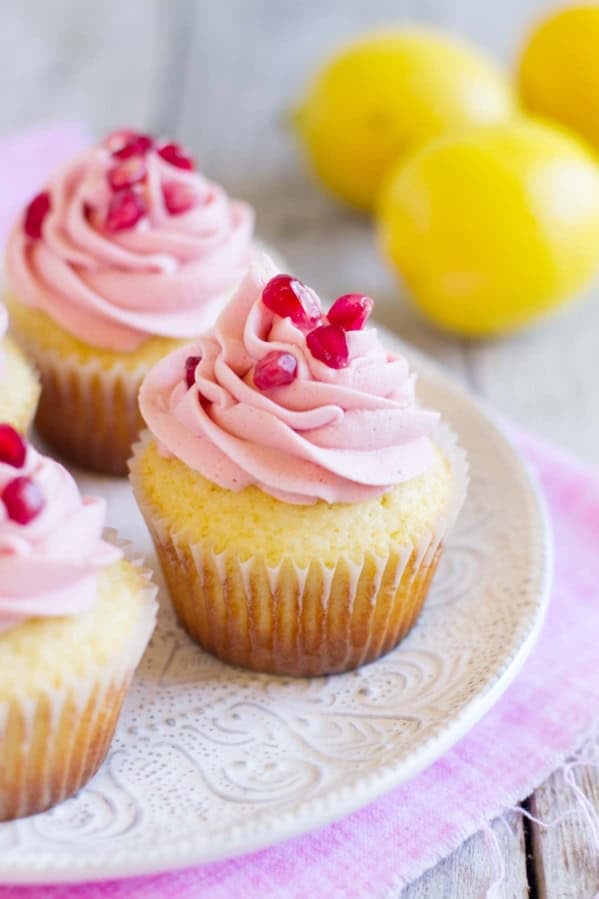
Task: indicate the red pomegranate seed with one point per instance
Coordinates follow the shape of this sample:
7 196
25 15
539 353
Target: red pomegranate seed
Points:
127 173
13 448
191 363
328 343
23 500
289 298
351 311
135 145
174 154
276 369
125 209
178 197
35 213
116 140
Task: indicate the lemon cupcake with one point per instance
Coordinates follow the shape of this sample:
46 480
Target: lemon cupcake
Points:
75 617
19 386
297 496
125 253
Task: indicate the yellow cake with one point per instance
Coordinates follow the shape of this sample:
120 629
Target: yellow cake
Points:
35 328
292 590
298 508
62 687
19 388
127 252
75 617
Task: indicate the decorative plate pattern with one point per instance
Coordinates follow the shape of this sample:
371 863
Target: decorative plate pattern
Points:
210 761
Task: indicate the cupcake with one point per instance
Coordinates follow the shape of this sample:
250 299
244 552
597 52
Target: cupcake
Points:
19 386
297 495
127 252
75 617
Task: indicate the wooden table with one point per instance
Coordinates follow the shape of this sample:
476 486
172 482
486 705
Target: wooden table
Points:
222 77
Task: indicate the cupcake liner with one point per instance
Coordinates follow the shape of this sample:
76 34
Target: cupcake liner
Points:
89 414
301 620
51 744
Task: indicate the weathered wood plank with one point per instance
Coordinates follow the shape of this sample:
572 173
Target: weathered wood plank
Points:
174 27
566 856
545 377
91 62
223 77
469 871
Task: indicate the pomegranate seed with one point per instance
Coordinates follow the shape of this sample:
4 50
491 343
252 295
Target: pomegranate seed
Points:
35 213
13 448
191 363
116 140
125 209
23 500
351 311
178 197
289 298
328 343
174 154
127 173
276 369
135 145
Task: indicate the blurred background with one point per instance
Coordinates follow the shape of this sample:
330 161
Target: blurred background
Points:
223 78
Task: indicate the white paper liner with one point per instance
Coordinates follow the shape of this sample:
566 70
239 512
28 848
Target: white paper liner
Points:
63 734
204 608
88 413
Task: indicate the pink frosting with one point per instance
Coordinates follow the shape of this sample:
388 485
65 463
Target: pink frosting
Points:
168 275
49 567
343 435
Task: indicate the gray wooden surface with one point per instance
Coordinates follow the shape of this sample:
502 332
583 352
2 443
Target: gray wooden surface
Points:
222 77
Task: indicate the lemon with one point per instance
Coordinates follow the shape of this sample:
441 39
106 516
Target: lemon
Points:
559 69
492 227
387 93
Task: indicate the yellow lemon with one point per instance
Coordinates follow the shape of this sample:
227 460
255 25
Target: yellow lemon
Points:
491 227
387 93
559 69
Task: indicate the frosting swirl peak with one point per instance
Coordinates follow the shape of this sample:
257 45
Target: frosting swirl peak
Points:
340 434
121 249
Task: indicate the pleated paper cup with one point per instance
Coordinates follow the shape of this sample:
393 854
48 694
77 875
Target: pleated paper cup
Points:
54 740
87 413
312 619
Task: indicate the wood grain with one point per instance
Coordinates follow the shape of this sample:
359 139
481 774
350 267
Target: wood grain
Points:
566 860
544 378
97 62
224 78
469 872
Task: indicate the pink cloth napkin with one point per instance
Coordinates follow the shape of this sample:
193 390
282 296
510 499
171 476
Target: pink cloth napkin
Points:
539 721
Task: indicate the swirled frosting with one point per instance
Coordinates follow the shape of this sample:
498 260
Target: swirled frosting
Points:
48 568
168 275
340 435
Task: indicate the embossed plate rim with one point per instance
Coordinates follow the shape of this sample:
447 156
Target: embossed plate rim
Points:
303 816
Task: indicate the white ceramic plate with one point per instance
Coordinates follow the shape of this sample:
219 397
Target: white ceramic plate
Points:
210 761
